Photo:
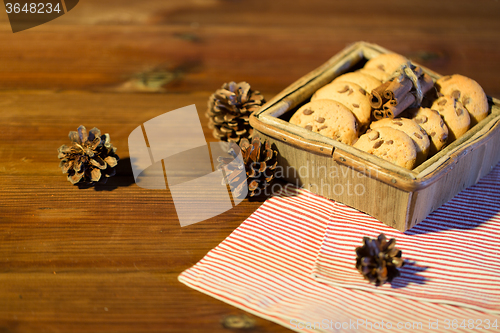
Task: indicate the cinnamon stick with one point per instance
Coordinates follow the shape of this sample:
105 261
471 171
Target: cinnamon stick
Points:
378 114
394 111
398 89
426 83
376 97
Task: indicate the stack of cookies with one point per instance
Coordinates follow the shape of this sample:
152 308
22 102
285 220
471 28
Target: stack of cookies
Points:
342 111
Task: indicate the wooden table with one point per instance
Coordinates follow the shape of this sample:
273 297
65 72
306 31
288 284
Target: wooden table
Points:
106 259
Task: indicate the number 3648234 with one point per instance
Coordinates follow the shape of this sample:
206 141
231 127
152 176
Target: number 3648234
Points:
32 8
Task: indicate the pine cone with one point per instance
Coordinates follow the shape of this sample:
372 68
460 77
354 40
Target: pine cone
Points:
260 165
378 260
229 110
90 159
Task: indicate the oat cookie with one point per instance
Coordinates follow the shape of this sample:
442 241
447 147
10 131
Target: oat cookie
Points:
376 74
352 96
432 123
329 118
390 144
365 81
468 92
387 63
455 116
413 130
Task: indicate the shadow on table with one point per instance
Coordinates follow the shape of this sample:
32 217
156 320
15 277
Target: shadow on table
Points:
409 274
123 178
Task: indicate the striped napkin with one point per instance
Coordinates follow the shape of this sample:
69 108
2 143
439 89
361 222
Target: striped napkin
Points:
451 257
265 267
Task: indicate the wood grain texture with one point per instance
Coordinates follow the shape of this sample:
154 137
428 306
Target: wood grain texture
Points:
199 44
107 259
68 254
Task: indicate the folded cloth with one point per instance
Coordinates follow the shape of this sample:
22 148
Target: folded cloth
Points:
264 267
451 257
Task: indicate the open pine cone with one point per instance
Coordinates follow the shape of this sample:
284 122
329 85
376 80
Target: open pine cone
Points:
378 259
229 110
260 165
90 159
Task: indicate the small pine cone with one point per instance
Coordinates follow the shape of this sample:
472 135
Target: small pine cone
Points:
260 165
90 159
378 259
229 110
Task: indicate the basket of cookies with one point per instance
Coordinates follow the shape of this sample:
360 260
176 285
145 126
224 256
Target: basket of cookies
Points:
381 134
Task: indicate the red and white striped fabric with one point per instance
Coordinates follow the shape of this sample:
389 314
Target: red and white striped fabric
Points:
451 257
265 265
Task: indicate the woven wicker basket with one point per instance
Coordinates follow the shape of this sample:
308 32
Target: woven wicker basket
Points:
396 196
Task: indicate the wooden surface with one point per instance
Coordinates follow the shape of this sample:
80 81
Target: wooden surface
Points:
107 259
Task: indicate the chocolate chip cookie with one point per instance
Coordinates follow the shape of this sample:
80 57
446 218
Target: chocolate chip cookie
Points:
376 74
328 118
390 144
388 63
454 115
365 81
432 123
352 96
468 92
413 130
